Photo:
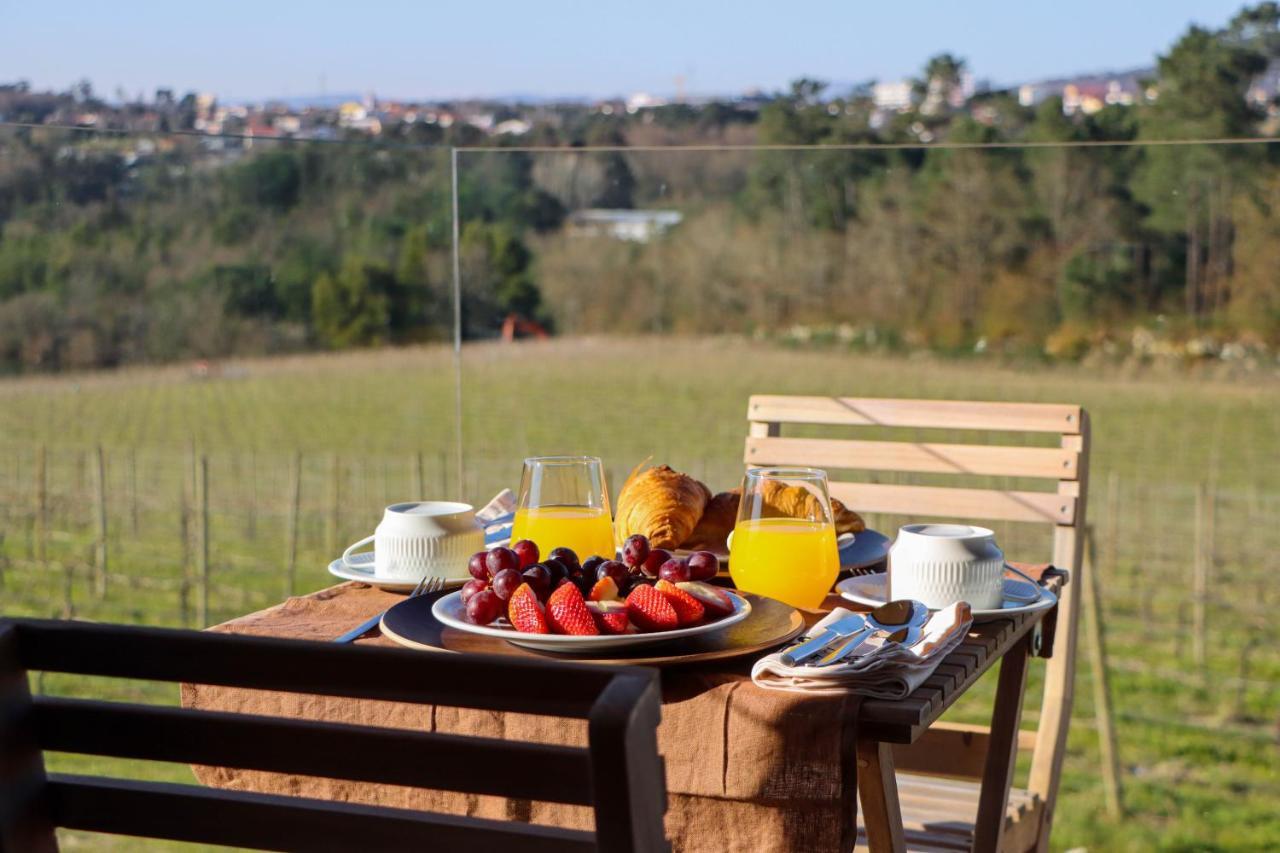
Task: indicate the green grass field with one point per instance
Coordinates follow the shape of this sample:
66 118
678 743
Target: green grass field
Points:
1174 452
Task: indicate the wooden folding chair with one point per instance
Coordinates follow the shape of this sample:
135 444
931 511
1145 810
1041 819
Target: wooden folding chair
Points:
954 750
620 775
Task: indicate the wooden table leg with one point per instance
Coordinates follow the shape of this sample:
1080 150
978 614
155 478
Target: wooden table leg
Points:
878 786
1002 749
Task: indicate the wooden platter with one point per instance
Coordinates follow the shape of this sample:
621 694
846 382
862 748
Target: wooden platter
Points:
770 624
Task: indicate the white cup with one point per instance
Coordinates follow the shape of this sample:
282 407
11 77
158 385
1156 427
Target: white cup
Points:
421 538
940 564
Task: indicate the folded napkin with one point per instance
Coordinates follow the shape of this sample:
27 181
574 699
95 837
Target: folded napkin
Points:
890 672
496 516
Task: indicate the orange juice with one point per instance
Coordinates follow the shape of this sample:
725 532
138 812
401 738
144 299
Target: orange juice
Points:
587 530
792 560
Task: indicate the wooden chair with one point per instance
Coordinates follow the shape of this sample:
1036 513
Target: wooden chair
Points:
953 750
620 775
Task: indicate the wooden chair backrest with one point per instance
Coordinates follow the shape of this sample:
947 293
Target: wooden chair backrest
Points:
1063 507
619 774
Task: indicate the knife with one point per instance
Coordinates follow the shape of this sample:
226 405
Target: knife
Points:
842 627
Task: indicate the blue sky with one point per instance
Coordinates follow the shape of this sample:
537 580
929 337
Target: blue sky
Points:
429 49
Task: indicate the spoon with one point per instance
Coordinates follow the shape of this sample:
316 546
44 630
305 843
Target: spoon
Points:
894 621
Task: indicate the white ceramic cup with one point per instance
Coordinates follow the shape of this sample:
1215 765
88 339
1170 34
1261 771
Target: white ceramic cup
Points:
421 538
940 564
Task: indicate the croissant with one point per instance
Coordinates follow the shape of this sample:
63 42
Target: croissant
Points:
715 525
660 503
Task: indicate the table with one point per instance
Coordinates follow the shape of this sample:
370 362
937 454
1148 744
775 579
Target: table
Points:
747 768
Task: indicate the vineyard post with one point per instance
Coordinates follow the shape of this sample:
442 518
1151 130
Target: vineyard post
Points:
202 522
419 478
295 505
100 513
42 504
335 497
1101 684
444 474
184 537
1111 540
1199 580
133 490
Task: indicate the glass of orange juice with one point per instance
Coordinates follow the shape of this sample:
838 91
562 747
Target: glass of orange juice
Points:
564 503
784 542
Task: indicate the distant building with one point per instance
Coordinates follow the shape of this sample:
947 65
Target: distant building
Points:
512 127
639 226
894 95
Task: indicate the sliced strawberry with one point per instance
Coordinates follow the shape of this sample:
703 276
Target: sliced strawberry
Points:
713 598
610 616
525 613
650 610
605 590
567 613
688 609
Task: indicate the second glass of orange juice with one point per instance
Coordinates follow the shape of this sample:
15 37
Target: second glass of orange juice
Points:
564 503
784 543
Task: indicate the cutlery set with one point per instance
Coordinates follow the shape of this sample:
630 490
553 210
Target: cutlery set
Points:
895 623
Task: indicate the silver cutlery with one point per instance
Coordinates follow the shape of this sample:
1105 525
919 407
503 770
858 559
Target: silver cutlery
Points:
426 586
842 627
886 622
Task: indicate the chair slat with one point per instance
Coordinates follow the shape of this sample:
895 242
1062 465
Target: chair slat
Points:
311 748
269 822
942 414
940 501
395 675
932 458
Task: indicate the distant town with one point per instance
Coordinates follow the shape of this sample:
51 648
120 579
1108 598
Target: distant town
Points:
329 117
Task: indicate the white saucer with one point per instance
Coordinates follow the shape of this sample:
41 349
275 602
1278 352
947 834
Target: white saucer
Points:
361 569
869 590
450 610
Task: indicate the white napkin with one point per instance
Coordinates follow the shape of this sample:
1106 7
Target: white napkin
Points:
891 672
495 516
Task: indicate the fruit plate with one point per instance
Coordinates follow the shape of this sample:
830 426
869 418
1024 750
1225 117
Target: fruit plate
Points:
770 624
450 612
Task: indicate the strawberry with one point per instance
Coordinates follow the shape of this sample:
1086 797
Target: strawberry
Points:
524 611
713 598
688 609
604 590
567 613
650 610
610 616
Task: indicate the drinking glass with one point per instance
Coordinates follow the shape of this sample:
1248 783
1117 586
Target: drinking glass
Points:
564 503
784 543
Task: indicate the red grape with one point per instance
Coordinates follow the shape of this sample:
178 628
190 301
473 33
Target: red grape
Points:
703 566
612 569
635 550
558 569
471 587
590 565
569 558
505 583
654 561
476 565
674 570
484 607
501 558
539 580
527 551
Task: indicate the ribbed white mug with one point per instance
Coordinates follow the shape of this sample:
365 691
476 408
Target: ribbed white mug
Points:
940 564
420 538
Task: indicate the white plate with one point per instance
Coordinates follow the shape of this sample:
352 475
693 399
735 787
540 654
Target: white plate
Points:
361 569
450 611
869 590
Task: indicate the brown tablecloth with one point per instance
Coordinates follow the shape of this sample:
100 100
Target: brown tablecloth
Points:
747 769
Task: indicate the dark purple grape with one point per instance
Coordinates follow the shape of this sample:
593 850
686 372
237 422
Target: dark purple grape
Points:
502 558
590 565
505 583
527 551
654 561
471 587
703 566
674 571
484 607
539 580
476 565
613 569
635 550
568 557
557 568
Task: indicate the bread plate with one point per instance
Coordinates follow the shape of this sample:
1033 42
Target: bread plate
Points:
450 611
869 590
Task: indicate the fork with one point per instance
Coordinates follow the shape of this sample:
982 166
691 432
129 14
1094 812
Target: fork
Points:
426 586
